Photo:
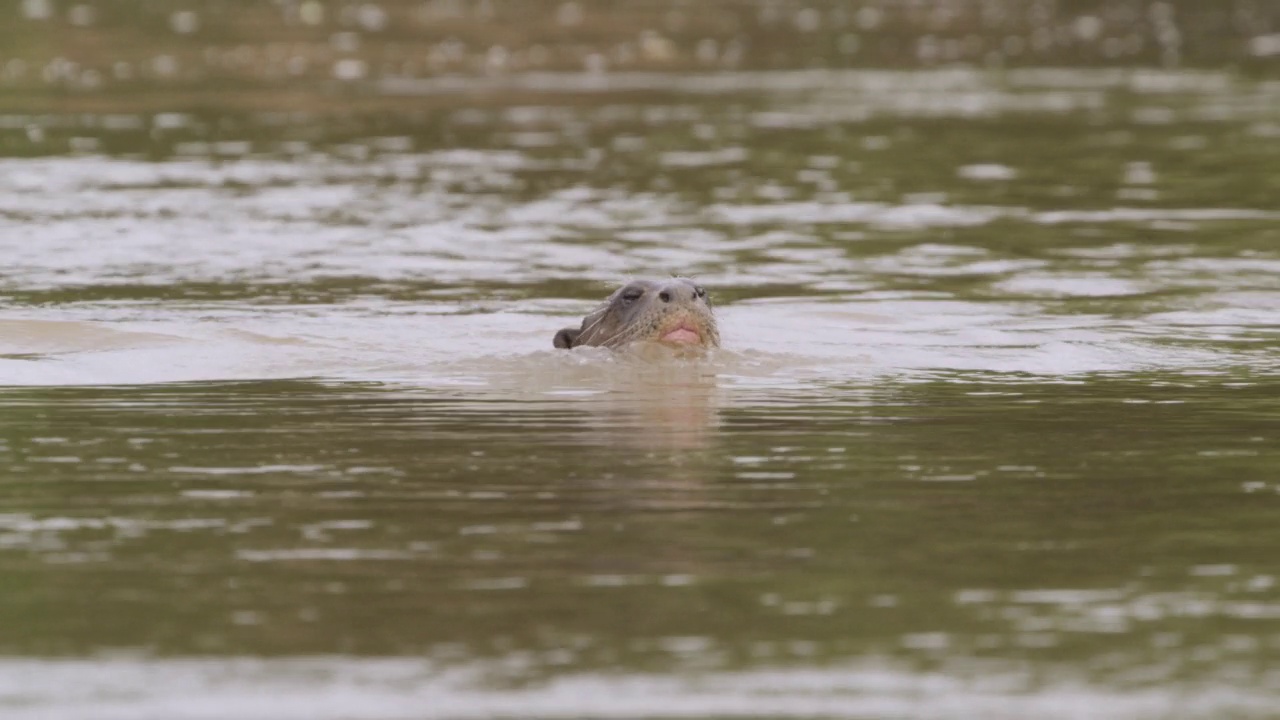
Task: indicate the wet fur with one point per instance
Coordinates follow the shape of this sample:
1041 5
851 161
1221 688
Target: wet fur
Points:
620 320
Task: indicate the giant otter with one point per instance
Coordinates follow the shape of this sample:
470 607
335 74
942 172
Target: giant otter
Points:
675 311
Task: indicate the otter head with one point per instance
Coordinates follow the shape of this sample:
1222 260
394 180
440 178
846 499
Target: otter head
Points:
675 311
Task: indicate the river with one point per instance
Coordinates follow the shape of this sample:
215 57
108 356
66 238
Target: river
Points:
993 431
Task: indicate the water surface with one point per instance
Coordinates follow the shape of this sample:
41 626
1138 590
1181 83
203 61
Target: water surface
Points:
993 432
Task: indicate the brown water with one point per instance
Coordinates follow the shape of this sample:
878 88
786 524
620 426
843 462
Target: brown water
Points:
993 432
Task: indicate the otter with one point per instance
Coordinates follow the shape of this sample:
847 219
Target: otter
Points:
675 311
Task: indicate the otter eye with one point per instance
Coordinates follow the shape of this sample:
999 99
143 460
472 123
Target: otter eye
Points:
632 294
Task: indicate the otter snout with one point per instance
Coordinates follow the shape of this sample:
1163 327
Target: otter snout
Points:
681 291
674 311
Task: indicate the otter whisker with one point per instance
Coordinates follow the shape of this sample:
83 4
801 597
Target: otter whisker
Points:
599 313
611 340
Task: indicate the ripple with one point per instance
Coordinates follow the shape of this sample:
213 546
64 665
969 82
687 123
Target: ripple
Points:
324 688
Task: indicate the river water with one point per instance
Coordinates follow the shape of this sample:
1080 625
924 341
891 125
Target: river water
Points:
993 433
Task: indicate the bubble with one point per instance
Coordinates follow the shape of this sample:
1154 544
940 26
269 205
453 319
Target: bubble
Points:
184 22
734 52
246 617
122 70
987 172
497 58
350 69
37 9
569 14
1042 40
57 70
347 42
1265 45
14 69
452 50
91 79
808 20
82 15
1088 28
1139 173
849 44
170 121
708 50
595 63
656 48
311 12
371 17
164 65
928 49
869 18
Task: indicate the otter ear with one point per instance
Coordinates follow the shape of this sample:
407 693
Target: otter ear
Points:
567 337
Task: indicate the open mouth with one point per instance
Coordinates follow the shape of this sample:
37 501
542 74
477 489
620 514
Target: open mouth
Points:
681 335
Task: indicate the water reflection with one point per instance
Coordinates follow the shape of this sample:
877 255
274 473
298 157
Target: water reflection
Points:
923 524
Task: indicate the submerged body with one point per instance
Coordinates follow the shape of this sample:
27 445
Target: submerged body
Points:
675 311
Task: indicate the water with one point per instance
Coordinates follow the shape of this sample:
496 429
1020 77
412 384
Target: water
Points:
992 434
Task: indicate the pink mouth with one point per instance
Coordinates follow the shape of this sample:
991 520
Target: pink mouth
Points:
681 335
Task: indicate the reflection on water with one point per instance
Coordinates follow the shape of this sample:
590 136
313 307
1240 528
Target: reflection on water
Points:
992 434
1104 536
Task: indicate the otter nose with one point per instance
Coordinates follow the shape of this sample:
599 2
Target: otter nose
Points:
678 292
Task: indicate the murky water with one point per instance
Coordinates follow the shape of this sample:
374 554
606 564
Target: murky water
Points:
993 432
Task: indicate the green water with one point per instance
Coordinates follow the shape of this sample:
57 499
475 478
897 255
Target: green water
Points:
1118 523
1120 528
994 431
